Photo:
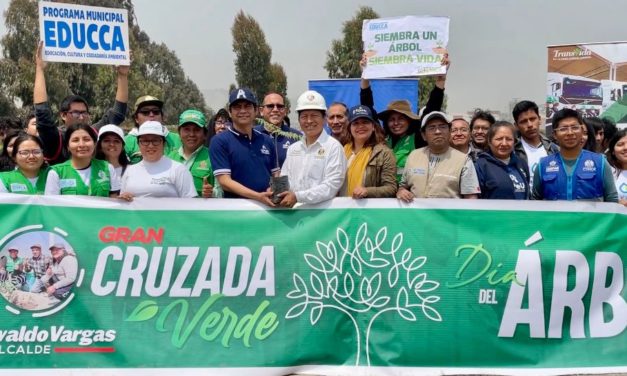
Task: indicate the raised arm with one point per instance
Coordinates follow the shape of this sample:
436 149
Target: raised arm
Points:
436 97
46 122
117 113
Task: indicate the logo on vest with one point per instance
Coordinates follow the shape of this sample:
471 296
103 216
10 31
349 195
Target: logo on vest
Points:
67 183
264 150
552 167
102 177
202 165
18 187
588 165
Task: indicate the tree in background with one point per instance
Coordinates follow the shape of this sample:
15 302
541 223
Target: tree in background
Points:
155 69
344 55
343 58
253 55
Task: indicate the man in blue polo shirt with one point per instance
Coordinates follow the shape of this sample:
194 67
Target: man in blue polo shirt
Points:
244 159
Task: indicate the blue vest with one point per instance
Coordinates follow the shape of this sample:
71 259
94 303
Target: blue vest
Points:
585 183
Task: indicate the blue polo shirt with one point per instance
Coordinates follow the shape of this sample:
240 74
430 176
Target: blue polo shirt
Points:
250 162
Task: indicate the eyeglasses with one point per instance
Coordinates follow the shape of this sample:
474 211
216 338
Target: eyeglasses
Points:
221 122
153 142
78 114
26 153
270 106
436 127
150 112
573 129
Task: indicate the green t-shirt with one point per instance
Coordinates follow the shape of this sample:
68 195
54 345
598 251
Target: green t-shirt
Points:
401 150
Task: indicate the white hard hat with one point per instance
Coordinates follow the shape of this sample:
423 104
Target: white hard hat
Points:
311 100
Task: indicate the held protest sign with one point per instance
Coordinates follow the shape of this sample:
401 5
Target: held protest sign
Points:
590 78
405 46
83 34
224 287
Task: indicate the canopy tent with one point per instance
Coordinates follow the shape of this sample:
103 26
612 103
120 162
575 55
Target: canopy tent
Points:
602 61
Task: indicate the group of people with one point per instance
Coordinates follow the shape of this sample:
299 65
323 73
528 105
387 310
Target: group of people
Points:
249 150
54 275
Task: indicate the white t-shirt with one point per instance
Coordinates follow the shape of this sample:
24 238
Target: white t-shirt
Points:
53 183
621 184
533 156
164 178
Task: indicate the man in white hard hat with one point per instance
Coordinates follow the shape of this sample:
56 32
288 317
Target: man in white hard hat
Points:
316 165
242 158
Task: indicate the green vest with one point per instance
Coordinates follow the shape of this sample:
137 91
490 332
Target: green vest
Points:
200 167
131 146
16 182
71 183
401 150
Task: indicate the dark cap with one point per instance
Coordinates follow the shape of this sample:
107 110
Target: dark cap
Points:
359 112
242 94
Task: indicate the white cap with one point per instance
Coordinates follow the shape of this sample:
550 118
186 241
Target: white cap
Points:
311 100
435 115
151 127
111 128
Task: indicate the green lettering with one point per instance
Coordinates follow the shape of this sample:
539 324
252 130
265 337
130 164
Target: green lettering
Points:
476 250
181 333
268 323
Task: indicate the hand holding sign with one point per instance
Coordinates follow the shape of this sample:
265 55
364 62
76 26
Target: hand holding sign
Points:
39 61
404 46
83 34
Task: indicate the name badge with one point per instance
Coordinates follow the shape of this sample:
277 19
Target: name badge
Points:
17 187
67 183
418 171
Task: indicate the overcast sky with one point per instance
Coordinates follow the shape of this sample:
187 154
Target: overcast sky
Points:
497 47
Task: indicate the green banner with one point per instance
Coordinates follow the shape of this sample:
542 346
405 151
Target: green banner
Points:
444 285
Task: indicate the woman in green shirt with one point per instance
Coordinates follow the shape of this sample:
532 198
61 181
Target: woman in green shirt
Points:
82 174
29 177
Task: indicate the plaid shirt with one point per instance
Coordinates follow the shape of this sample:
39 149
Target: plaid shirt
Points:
38 266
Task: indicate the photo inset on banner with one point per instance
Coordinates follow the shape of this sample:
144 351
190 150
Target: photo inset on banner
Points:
37 270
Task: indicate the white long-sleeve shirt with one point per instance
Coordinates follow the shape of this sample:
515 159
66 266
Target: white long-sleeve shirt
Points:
316 172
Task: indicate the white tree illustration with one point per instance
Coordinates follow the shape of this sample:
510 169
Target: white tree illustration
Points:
361 277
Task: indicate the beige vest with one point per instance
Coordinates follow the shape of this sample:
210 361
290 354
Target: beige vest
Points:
441 182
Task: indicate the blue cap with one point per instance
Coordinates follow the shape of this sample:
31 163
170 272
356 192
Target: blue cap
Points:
358 112
242 94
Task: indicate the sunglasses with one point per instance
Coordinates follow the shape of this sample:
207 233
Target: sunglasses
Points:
270 106
150 112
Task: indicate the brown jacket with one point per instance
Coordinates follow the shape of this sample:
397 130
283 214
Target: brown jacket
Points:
380 177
